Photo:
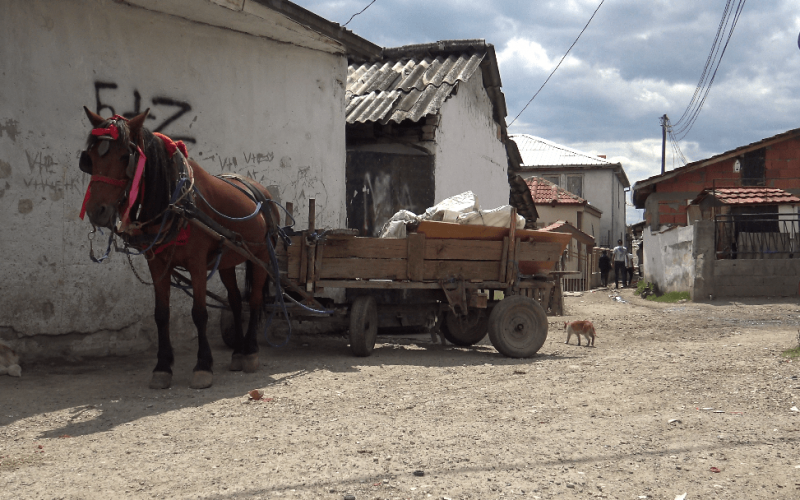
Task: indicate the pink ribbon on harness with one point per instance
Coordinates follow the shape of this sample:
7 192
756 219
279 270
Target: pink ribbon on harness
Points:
133 195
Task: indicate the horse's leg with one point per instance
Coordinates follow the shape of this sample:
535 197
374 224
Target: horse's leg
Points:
202 375
228 277
162 374
250 351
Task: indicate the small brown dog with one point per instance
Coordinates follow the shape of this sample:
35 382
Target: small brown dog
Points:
585 328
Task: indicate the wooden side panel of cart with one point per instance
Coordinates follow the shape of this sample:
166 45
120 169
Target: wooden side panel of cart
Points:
421 258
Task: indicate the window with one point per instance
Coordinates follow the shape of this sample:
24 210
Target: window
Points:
575 185
552 178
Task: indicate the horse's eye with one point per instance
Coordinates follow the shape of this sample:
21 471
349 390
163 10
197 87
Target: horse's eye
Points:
125 159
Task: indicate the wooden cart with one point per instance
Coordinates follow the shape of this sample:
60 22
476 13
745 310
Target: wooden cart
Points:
459 280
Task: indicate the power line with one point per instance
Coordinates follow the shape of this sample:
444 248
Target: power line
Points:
559 63
730 17
357 13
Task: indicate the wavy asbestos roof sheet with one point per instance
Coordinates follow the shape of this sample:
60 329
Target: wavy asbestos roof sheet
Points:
406 88
538 152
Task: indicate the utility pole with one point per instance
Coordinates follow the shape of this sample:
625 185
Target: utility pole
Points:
664 121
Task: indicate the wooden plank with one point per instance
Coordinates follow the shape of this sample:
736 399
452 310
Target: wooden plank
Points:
318 260
312 214
368 248
463 249
416 256
543 252
397 269
381 284
512 241
294 252
394 269
449 230
504 260
303 261
443 269
377 248
312 254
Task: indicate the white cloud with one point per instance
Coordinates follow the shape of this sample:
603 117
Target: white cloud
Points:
530 55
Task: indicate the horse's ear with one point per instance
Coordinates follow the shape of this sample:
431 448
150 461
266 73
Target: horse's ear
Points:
136 123
94 118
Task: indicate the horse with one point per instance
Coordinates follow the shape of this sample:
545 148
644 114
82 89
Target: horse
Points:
145 190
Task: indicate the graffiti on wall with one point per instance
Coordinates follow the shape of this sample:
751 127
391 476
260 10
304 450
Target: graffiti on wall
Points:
174 112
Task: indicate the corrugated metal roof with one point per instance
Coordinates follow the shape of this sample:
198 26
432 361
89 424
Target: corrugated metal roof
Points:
547 193
538 152
749 196
408 88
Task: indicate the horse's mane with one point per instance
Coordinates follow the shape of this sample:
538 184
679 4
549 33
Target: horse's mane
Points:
158 177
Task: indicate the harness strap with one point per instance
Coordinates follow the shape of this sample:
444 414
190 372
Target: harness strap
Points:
99 178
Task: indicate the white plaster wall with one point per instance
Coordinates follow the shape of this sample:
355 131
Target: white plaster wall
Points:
602 189
668 259
272 111
549 214
469 154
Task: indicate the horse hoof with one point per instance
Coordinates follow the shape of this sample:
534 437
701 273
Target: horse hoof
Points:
236 362
250 363
161 380
201 380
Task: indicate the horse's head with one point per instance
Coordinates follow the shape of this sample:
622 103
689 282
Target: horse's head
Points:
110 158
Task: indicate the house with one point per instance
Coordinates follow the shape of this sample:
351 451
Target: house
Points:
253 87
725 226
750 222
579 257
424 122
772 162
593 178
562 211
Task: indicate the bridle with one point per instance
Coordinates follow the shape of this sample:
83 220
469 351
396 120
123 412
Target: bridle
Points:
133 172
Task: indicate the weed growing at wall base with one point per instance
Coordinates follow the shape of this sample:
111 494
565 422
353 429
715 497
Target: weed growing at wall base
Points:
795 352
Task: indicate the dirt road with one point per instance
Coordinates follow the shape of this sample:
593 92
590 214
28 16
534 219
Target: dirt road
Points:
675 398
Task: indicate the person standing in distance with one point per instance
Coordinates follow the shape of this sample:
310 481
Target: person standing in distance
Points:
629 267
604 263
619 253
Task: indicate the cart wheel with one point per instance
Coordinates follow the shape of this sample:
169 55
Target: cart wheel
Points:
363 325
518 326
465 330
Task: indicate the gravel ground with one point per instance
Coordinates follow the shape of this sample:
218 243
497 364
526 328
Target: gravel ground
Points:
675 398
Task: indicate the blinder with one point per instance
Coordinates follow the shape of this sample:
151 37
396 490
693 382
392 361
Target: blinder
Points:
85 163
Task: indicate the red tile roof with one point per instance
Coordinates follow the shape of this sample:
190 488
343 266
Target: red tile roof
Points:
546 193
749 196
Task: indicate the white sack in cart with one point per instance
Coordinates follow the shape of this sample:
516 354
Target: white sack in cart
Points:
449 209
497 217
396 226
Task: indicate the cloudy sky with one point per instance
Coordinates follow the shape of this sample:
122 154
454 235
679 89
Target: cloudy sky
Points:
636 61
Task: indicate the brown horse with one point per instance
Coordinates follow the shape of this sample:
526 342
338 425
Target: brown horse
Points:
146 203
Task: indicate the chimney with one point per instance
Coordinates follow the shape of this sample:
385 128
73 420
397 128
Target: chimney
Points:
602 156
